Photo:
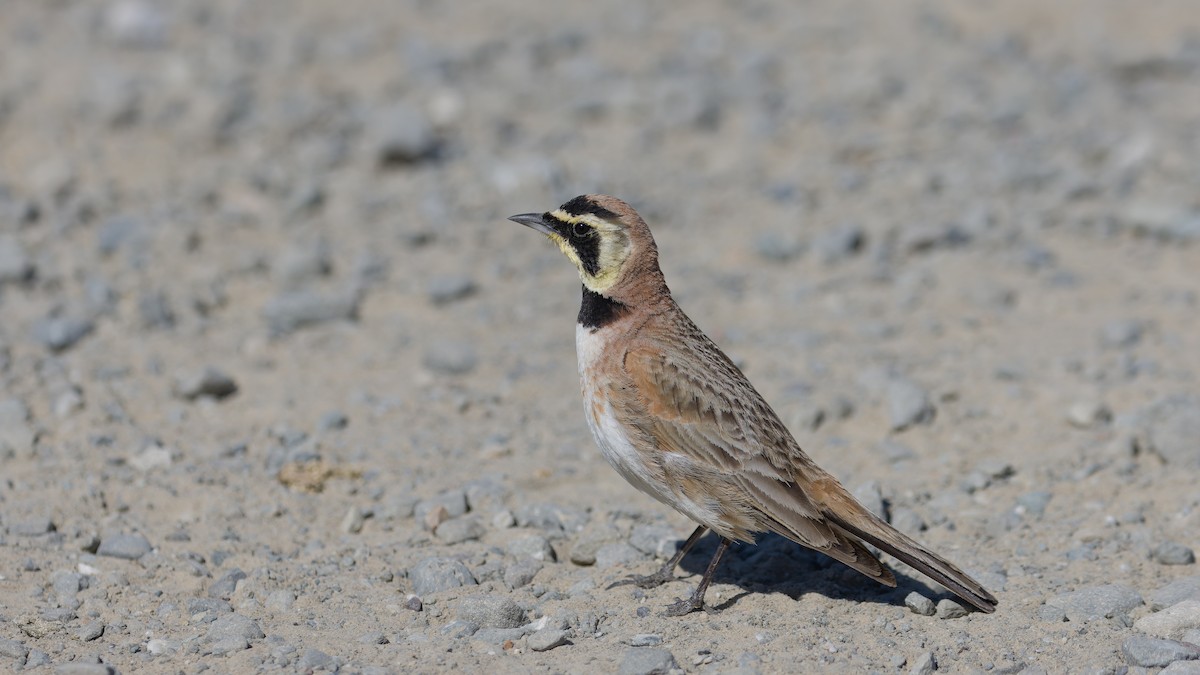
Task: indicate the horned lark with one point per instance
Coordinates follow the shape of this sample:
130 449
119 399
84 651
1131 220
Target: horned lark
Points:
676 418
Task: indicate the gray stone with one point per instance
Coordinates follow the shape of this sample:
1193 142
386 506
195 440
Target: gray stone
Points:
1156 652
777 247
1185 588
1171 622
210 381
1088 414
923 665
870 495
353 521
919 604
590 540
521 573
313 659
281 601
654 540
531 546
333 420
546 639
213 607
1052 614
489 611
617 554
36 658
59 333
233 626
127 546
1097 602
228 645
645 640
226 585
454 501
15 263
117 233
907 520
1122 333
451 357
444 289
1181 668
154 308
1173 553
301 264
81 668
1165 222
459 530
293 310
552 518
838 244
401 134
1034 503
647 661
89 631
136 24
1169 429
498 636
66 584
908 404
12 649
16 434
949 609
439 574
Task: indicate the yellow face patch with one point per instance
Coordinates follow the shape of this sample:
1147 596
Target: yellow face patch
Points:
613 249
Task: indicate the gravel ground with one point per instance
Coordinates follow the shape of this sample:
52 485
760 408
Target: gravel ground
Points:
283 391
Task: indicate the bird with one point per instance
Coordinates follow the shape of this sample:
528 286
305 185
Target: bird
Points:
681 423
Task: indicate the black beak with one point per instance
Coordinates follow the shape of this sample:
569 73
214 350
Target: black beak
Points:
536 221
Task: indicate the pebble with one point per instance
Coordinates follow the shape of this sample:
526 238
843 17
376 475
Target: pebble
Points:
89 631
925 664
618 554
1155 652
334 420
1088 414
908 404
546 639
647 661
551 518
1121 333
118 232
399 134
135 23
80 668
488 611
59 333
459 530
1034 503
1170 428
1097 602
226 585
12 649
231 628
439 574
532 546
1181 668
1173 553
646 640
451 357
209 381
16 435
302 264
521 573
838 244
1185 588
126 546
445 289
1171 622
155 311
313 659
919 604
15 263
949 609
292 310
454 501
281 600
353 521
590 540
777 247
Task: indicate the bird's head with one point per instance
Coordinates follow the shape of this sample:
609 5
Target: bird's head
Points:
607 240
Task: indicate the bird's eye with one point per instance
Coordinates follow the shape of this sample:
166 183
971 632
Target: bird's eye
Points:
580 230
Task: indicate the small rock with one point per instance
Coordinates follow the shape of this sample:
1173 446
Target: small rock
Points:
489 611
451 357
293 310
617 554
210 381
12 649
949 609
302 264
647 661
777 247
15 263
414 603
313 659
646 640
1155 652
546 639
353 521
90 631
1182 667
118 232
552 518
459 530
908 404
1172 622
1172 427
281 601
1052 614
439 574
126 546
233 626
1088 414
839 243
1097 602
1033 503
226 585
521 573
870 495
454 501
155 311
135 23
81 668
590 540
443 290
59 333
919 604
1172 553
1122 333
923 665
1186 588
401 134
532 546
16 435
153 457
333 420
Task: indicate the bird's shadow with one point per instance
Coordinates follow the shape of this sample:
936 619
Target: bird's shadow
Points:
778 565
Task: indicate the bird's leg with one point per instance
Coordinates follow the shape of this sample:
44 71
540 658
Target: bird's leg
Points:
681 607
666 572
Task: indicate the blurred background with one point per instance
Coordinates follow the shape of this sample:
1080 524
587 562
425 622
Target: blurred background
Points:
262 311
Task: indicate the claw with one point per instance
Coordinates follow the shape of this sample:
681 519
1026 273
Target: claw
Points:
684 607
643 581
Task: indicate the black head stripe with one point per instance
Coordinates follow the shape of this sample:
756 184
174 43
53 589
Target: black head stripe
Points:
582 205
588 250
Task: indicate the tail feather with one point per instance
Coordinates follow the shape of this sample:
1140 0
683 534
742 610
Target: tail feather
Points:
899 545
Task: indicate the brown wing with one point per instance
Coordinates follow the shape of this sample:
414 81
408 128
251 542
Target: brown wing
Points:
720 443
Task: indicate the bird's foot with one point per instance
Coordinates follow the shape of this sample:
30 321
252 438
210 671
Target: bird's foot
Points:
686 606
645 581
